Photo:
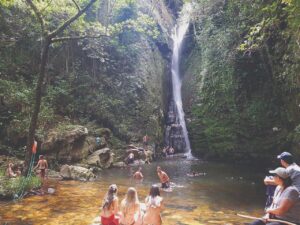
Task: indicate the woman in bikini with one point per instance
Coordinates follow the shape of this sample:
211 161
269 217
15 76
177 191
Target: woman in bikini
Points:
110 207
130 209
154 206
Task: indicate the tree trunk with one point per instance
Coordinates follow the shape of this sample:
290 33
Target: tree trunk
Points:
37 102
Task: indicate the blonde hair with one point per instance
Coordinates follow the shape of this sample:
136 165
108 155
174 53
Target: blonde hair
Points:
130 200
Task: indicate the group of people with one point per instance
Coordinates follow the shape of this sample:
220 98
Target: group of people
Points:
284 205
131 211
13 171
131 157
163 177
169 150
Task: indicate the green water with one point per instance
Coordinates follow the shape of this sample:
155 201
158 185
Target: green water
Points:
214 198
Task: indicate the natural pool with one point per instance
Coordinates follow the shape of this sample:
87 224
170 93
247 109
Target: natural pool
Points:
214 198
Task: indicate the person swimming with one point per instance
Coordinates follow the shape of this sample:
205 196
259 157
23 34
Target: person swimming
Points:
195 174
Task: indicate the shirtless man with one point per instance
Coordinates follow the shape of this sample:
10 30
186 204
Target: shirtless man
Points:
42 165
138 174
145 141
164 178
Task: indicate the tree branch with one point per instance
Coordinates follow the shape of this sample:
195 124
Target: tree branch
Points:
76 38
37 14
71 20
77 6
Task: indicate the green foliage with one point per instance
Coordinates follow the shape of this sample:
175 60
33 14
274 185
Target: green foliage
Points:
245 77
13 186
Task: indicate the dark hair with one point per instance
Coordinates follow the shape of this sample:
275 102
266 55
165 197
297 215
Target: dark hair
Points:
110 196
286 182
154 191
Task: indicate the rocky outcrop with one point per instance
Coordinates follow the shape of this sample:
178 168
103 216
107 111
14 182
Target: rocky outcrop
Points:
240 91
76 173
102 158
68 144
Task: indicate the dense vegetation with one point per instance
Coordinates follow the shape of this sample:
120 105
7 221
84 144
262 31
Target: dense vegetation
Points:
108 69
244 68
103 70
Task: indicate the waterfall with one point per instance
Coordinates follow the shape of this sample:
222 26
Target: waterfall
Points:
176 106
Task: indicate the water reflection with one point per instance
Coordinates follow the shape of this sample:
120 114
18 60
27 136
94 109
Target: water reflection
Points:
211 199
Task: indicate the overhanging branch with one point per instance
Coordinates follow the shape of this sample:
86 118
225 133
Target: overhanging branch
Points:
38 14
71 20
59 39
77 6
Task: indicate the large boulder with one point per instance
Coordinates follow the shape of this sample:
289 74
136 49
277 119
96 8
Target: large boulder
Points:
67 145
76 173
102 158
119 165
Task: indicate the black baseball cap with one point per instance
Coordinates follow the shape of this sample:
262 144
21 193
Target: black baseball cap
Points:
286 156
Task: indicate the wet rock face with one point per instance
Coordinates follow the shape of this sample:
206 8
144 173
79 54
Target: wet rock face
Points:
173 132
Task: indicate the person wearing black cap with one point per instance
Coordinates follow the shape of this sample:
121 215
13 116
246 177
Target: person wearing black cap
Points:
293 170
286 203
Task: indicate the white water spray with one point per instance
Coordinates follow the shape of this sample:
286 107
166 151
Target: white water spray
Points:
178 37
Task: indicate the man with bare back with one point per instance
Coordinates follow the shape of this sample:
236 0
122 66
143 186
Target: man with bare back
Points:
163 177
138 174
42 165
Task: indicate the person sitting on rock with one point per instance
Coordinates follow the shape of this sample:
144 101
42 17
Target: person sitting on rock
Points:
154 206
130 158
19 171
131 213
110 207
171 151
164 151
9 171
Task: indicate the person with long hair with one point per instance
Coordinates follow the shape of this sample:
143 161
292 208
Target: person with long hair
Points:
110 207
130 208
154 206
286 202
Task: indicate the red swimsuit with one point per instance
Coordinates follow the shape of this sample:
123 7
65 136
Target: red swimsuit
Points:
112 220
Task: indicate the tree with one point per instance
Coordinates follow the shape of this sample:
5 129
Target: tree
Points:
48 37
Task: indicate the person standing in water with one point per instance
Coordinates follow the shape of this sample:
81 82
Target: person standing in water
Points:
131 213
163 177
138 174
43 166
154 206
110 207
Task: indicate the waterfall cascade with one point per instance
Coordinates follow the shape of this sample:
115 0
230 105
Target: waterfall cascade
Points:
176 134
